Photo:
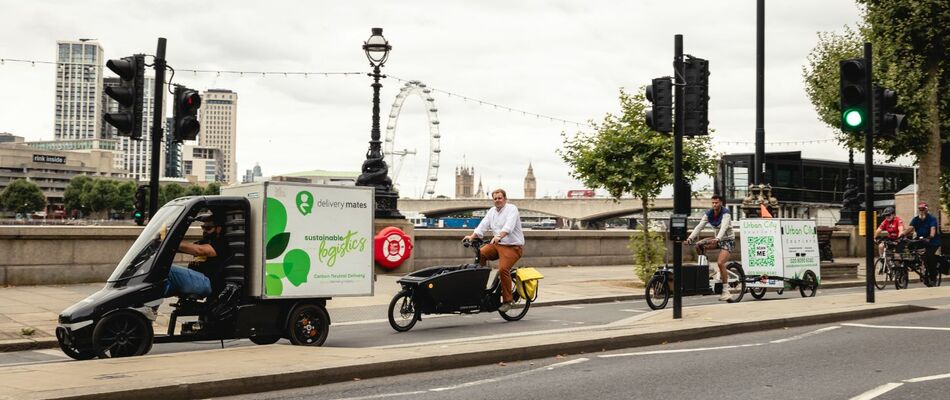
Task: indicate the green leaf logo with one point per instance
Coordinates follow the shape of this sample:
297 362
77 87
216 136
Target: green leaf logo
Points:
277 244
276 219
304 202
296 266
273 285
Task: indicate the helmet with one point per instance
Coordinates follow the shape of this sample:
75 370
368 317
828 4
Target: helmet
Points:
888 211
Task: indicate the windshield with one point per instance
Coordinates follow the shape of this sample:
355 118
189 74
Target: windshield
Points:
137 260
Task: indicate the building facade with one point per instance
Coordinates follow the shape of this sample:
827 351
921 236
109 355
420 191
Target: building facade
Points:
253 175
464 182
79 90
530 184
51 170
201 164
218 116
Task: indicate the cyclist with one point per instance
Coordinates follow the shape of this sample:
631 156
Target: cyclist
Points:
718 217
891 224
924 226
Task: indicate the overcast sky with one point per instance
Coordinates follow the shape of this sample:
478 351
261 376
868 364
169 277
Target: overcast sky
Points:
565 59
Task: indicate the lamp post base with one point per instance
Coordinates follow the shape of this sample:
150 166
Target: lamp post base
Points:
386 206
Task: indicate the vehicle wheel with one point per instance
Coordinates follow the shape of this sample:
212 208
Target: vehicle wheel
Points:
900 278
658 293
519 307
810 285
880 275
74 352
736 284
264 340
308 325
122 334
402 312
757 293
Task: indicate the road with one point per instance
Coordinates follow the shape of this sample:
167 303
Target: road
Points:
896 357
368 327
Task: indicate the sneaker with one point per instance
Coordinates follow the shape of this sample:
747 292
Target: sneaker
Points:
150 312
726 295
504 307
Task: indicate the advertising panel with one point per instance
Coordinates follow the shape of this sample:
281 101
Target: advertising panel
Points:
761 241
800 248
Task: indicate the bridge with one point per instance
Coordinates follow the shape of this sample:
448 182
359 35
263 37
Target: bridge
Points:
579 212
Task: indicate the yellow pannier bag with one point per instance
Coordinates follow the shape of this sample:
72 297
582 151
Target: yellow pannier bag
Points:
527 282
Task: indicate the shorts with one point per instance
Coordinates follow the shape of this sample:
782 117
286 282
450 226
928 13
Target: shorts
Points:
727 244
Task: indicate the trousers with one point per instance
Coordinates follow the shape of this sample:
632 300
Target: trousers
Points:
507 256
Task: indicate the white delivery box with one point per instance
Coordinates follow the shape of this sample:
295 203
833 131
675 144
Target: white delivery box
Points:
309 240
779 248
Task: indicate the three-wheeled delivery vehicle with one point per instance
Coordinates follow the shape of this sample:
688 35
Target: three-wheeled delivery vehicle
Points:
291 247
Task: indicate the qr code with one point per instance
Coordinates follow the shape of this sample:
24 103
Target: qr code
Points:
761 251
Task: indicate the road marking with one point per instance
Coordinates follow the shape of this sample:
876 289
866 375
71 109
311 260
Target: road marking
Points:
927 378
570 307
919 328
472 383
870 394
52 352
804 335
632 310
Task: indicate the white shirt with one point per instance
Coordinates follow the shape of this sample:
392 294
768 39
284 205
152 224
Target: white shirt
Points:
507 220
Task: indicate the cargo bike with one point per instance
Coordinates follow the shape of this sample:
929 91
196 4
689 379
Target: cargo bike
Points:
460 289
697 281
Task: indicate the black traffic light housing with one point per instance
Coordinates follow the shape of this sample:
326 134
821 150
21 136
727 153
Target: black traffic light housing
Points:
854 100
129 94
696 93
139 212
660 93
186 105
886 121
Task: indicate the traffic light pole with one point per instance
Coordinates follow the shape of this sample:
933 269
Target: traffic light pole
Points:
759 170
157 132
869 175
678 186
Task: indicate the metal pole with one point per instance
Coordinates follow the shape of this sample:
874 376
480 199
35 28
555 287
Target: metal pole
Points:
869 175
157 119
759 170
678 186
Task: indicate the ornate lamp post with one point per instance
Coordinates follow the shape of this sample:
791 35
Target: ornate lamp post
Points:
375 171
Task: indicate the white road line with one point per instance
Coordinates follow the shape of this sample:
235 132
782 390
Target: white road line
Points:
646 353
927 378
384 395
804 335
570 307
870 394
919 328
632 310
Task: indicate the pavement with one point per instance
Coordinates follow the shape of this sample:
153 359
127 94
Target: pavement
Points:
28 314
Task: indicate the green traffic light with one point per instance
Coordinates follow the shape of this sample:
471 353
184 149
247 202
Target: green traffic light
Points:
137 214
853 118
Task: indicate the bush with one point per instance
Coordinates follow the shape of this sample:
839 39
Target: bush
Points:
647 256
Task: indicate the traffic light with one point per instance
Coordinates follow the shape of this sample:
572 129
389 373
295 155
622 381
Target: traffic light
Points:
139 213
660 117
853 96
696 93
886 122
129 94
187 102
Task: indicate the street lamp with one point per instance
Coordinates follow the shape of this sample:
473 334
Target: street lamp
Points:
375 172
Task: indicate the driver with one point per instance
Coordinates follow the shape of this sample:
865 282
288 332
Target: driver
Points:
719 218
506 246
207 252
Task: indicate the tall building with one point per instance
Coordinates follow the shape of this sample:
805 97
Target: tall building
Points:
79 89
530 184
464 182
218 116
201 164
253 175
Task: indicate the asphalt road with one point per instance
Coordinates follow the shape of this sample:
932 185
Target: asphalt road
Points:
368 327
896 357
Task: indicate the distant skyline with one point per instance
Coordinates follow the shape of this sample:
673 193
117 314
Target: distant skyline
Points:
564 59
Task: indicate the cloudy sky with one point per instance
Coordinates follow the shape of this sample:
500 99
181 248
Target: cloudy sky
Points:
565 59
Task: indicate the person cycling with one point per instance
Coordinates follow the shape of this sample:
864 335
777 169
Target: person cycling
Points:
719 218
891 224
924 226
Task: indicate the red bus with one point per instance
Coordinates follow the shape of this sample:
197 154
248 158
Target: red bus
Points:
572 194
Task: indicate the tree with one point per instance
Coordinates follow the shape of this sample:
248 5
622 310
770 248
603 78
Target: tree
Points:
72 196
169 192
625 157
910 47
213 189
101 195
125 197
22 196
194 190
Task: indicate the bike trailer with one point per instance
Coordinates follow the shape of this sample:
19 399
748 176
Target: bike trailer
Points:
448 287
527 282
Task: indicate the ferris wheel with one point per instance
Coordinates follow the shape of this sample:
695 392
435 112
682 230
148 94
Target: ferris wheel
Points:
414 88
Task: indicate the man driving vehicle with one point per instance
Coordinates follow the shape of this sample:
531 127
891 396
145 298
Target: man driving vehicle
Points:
718 217
208 252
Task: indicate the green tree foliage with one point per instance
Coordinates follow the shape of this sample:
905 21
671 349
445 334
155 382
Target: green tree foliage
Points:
72 196
169 192
22 196
624 156
213 189
194 190
101 195
125 197
910 48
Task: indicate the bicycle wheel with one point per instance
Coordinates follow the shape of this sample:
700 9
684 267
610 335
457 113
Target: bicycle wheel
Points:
900 277
736 283
932 280
519 306
657 292
757 293
810 285
403 313
881 275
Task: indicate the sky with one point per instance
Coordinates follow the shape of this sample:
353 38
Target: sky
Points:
565 59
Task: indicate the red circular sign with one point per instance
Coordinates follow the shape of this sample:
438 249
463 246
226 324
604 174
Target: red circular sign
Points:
391 247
